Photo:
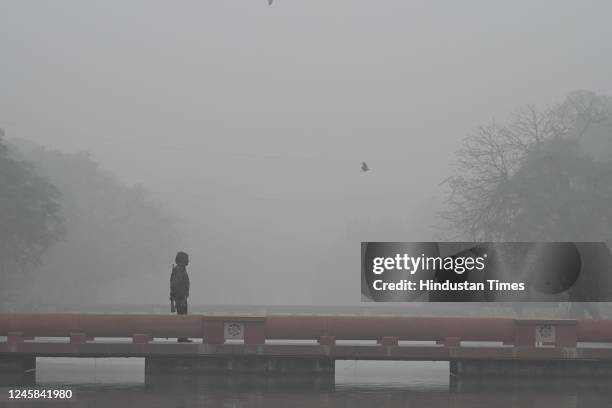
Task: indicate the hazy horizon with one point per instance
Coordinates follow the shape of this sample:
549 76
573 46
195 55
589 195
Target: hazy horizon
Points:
250 122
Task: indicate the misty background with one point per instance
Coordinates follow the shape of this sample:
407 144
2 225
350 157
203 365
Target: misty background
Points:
235 130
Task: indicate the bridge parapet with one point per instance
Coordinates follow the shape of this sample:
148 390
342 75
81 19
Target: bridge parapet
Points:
388 331
267 344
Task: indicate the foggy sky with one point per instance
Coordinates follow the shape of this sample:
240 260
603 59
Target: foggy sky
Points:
250 121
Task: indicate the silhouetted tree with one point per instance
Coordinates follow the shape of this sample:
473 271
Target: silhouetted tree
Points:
30 219
545 176
119 242
531 179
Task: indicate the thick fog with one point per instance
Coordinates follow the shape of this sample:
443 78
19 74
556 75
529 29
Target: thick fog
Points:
249 122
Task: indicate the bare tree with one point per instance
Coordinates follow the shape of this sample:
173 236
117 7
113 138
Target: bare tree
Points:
503 172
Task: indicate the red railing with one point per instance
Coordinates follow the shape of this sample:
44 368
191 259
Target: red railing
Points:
388 330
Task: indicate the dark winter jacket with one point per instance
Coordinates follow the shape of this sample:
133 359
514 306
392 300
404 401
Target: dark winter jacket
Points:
179 282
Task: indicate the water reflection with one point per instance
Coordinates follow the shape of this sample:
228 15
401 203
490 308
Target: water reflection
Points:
563 394
244 382
357 386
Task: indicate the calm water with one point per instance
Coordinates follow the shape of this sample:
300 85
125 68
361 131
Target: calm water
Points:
119 383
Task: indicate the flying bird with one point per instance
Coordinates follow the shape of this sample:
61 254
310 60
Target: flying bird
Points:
364 167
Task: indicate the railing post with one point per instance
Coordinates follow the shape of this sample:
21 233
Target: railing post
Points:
78 338
452 342
567 335
388 341
255 331
14 337
524 334
545 332
141 338
327 340
212 331
218 329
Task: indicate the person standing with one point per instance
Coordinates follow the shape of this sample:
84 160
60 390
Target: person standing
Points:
179 287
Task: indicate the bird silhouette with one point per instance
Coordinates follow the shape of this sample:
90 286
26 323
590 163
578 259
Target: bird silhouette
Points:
364 167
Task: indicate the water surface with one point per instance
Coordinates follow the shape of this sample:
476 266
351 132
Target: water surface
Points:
120 383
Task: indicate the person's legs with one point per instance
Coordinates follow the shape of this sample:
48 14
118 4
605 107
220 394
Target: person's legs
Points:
181 309
181 306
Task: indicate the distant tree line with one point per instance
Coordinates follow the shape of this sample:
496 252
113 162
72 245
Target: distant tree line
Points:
77 235
30 217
